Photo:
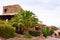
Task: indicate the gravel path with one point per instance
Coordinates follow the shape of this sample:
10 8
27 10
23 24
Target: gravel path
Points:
34 38
25 39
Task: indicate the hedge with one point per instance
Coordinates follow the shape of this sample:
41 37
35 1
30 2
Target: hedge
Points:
34 33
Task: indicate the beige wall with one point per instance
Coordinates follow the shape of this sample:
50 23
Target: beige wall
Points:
11 9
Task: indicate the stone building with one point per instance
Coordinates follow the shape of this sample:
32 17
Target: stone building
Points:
9 11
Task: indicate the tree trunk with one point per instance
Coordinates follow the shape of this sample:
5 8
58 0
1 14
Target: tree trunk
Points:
26 31
18 28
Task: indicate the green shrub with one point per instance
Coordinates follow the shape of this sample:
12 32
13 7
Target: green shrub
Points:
34 33
27 36
6 30
51 31
46 31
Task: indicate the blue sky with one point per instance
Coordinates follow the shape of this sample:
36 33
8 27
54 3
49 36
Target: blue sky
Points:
47 11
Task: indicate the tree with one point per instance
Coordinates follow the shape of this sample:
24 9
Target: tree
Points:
25 19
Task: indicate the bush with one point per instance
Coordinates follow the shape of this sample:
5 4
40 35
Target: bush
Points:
34 33
27 36
51 31
6 30
46 31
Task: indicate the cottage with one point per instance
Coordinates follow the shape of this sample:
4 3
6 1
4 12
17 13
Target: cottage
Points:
9 11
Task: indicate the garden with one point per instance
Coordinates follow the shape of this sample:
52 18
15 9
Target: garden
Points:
24 23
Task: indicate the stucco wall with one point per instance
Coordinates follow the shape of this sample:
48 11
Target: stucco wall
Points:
11 9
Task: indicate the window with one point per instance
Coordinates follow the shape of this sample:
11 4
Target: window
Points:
5 10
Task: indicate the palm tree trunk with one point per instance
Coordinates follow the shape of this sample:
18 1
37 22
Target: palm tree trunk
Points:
18 27
26 31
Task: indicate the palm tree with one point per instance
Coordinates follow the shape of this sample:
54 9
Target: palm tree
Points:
25 19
